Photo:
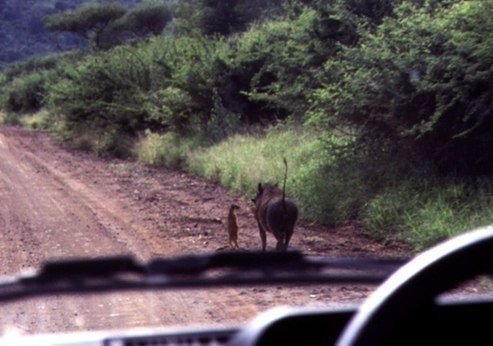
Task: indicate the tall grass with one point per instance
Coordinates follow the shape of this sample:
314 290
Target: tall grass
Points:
417 207
241 162
423 212
167 150
38 120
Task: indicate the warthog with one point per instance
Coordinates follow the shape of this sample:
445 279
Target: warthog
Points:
275 214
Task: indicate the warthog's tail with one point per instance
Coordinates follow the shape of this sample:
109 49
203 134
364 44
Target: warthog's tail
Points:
284 185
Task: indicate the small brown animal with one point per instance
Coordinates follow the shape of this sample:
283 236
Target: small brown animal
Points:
233 227
275 213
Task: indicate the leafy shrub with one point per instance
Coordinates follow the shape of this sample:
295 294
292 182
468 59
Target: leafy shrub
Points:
171 107
38 120
89 22
115 143
420 82
24 85
25 94
222 122
105 92
224 17
276 63
32 65
167 150
185 75
10 118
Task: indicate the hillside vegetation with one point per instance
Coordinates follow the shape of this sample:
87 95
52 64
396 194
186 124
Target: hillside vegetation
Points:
24 35
382 108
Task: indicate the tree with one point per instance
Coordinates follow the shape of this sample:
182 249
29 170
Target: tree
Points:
89 22
107 25
225 17
147 18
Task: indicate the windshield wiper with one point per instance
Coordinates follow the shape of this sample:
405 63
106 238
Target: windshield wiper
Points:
208 270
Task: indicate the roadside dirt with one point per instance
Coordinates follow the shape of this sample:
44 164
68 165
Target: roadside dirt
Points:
59 203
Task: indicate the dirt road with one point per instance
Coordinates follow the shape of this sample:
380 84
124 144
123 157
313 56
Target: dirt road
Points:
56 203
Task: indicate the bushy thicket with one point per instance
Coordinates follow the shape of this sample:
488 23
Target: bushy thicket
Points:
166 85
418 84
23 34
399 91
24 85
109 24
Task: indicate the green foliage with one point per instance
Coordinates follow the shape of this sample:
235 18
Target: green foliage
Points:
278 63
148 17
277 60
114 143
224 17
105 92
186 73
420 80
23 86
24 94
35 121
167 150
396 89
222 123
29 66
422 212
88 21
10 119
242 161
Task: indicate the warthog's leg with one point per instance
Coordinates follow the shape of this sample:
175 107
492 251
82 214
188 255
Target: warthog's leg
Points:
279 238
288 238
263 235
282 241
280 246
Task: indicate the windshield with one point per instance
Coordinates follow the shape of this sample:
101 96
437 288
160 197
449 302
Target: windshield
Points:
66 205
156 129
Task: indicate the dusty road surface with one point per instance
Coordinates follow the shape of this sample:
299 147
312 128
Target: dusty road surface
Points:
57 203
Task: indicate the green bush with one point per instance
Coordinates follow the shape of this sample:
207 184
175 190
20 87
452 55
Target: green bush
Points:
185 74
223 17
38 120
105 92
10 119
276 64
222 122
89 22
418 81
25 94
167 150
24 85
41 63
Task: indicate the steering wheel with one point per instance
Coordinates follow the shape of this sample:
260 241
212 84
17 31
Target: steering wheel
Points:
415 285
